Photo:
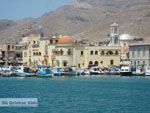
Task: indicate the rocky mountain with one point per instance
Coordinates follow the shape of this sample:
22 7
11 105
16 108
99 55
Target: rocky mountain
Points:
86 19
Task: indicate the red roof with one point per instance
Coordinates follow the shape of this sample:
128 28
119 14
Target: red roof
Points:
32 35
65 39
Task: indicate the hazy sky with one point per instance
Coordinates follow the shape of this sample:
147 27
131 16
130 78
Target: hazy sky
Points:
18 9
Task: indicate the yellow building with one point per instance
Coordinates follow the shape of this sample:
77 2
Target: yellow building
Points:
62 51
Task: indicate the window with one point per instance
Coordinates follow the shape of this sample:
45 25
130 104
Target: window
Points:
61 52
132 52
116 53
91 52
143 52
138 52
144 62
8 47
96 63
96 52
39 53
90 63
69 51
109 53
111 62
134 63
51 41
34 54
138 62
12 46
81 53
102 53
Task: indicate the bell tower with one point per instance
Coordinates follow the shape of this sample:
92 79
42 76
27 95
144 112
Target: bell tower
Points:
114 35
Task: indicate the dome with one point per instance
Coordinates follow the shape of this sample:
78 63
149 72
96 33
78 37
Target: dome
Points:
126 37
65 39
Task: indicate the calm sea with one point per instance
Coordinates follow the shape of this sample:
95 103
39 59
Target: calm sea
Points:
94 94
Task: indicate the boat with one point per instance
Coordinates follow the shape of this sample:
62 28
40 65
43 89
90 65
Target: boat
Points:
126 71
95 71
85 72
70 71
7 73
45 73
56 71
139 72
147 71
23 72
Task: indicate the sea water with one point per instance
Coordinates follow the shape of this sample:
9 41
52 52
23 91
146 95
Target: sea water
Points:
92 94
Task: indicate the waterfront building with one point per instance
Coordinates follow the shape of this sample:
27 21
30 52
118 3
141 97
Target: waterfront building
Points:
63 51
139 54
125 41
12 52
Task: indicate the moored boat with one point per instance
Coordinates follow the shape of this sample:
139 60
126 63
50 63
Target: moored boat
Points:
23 72
45 73
70 71
147 71
126 71
96 71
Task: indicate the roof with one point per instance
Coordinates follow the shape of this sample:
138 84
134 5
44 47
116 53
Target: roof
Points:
65 39
114 24
32 35
126 37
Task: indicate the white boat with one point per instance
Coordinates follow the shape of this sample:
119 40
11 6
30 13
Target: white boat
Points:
70 71
96 71
23 72
126 71
147 71
7 73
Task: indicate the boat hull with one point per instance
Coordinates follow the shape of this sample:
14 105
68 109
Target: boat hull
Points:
126 73
69 73
46 76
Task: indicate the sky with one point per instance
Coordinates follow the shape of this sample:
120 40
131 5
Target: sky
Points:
19 9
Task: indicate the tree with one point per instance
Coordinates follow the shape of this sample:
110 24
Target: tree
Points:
14 62
127 55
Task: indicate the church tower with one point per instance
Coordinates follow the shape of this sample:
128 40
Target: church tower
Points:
114 35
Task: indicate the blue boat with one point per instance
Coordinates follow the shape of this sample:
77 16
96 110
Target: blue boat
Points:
45 73
56 71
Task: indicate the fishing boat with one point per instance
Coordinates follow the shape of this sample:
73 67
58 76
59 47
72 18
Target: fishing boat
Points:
45 73
23 72
126 71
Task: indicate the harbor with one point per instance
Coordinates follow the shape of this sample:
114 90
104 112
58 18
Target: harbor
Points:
49 71
84 94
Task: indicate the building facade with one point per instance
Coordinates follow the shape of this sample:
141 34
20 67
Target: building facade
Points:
140 54
63 51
